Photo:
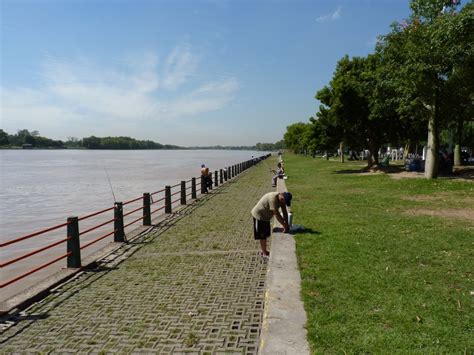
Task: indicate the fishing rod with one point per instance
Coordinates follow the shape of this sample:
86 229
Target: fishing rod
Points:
110 184
115 200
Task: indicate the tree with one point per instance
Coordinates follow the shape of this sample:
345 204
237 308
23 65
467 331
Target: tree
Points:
293 137
356 106
424 52
3 137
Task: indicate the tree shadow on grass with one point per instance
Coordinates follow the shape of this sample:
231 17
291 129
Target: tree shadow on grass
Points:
392 169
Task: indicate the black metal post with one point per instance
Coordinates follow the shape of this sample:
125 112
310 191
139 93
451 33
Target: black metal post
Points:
203 184
183 192
146 209
220 176
119 233
73 245
216 182
193 188
167 199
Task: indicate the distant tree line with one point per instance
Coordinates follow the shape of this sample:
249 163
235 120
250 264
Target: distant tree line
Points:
33 139
416 88
270 146
93 142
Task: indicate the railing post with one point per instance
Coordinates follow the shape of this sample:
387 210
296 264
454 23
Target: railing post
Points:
216 182
193 188
73 245
229 171
183 192
119 233
203 185
221 179
225 174
167 199
210 180
146 209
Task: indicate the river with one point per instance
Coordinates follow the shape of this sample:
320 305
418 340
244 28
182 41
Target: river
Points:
41 188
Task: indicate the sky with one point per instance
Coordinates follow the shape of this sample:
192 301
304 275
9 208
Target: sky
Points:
190 73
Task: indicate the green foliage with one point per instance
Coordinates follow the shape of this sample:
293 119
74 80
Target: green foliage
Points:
3 138
430 9
23 136
93 142
267 147
294 137
420 79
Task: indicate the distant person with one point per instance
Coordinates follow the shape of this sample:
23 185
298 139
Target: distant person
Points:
278 174
262 213
205 176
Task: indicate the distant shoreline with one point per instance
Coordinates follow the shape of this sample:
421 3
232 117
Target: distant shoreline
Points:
181 148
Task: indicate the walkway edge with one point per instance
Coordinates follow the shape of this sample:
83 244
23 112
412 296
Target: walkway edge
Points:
284 320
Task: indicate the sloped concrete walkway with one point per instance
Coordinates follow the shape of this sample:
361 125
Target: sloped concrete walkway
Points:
194 284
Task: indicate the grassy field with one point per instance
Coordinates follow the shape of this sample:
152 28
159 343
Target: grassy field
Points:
387 265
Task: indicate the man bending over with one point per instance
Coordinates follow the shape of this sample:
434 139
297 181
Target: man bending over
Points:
262 213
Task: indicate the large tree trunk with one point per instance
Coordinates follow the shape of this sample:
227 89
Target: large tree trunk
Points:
373 160
432 146
341 147
457 144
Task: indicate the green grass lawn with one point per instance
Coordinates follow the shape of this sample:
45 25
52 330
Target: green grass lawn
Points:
377 275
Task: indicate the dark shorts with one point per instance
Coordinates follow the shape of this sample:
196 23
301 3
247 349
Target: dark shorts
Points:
261 229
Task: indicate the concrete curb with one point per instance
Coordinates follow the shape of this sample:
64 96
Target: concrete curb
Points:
284 320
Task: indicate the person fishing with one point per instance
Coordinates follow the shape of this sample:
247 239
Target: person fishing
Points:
278 174
207 178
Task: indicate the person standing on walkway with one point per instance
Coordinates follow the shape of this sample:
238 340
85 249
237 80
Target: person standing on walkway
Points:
269 206
205 173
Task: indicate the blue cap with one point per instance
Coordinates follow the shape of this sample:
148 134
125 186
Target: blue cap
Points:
288 196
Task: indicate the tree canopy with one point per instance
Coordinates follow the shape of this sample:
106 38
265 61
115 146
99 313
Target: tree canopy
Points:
416 85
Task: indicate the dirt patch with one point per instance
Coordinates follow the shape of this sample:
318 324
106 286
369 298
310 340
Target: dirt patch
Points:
407 174
420 198
460 173
465 214
441 197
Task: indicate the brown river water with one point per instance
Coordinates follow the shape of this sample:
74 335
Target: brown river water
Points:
41 188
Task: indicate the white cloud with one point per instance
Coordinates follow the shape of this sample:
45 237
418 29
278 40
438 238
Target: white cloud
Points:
80 93
336 15
180 65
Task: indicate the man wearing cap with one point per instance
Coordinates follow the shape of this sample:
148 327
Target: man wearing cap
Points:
262 213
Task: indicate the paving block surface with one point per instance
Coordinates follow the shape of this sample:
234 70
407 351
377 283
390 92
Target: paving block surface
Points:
194 284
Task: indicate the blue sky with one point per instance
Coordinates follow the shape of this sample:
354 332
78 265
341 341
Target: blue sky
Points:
199 72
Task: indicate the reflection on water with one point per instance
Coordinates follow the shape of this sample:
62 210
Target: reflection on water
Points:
41 188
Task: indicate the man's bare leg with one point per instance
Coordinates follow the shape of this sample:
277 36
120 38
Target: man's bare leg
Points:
263 246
